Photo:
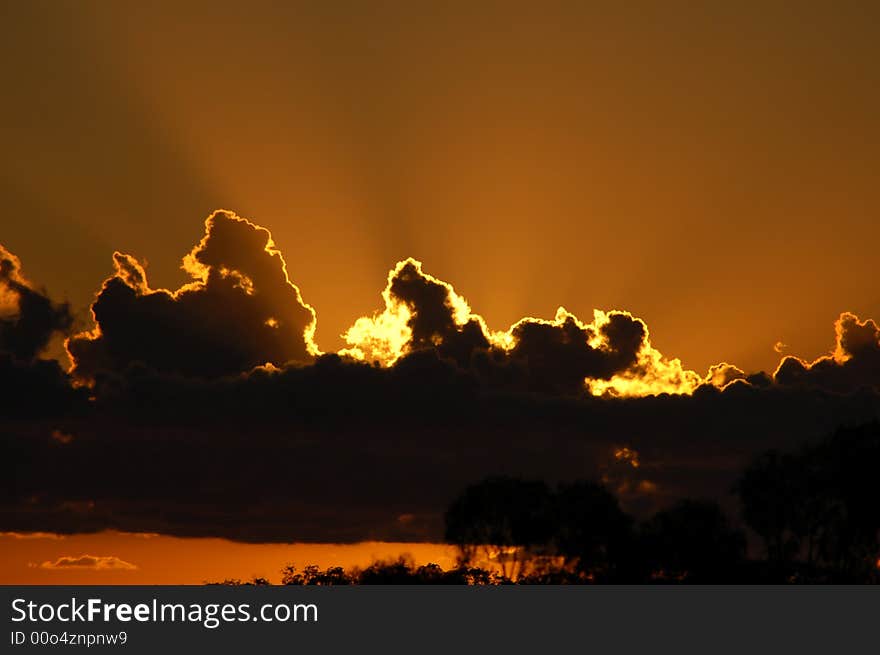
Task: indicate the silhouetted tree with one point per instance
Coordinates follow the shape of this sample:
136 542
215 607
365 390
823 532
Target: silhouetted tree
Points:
506 519
692 541
851 457
236 582
816 510
818 506
590 531
770 491
400 571
312 575
403 571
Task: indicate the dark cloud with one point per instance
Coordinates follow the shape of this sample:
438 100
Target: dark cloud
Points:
421 313
430 302
178 426
438 318
339 450
554 356
559 354
28 318
240 311
29 386
854 363
37 388
612 354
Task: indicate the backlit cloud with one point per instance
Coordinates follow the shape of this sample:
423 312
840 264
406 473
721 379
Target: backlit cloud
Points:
420 312
853 364
210 410
28 318
96 563
610 355
30 386
239 311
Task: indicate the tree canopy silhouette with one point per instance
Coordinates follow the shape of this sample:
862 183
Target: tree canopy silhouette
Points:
590 532
506 518
818 507
692 541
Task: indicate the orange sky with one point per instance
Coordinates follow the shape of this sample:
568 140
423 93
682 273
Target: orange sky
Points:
712 170
156 559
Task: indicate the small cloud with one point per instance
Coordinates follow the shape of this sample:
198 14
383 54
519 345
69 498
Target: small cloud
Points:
31 535
61 437
780 347
91 562
628 456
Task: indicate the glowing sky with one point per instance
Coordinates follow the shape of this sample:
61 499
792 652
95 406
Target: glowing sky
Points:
712 170
131 558
715 170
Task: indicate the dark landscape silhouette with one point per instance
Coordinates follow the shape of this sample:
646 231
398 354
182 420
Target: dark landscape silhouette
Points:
522 293
554 451
811 512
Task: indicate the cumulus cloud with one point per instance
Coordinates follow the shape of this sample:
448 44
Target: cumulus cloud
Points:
30 386
96 563
28 317
853 364
420 312
36 389
239 311
720 375
610 355
184 429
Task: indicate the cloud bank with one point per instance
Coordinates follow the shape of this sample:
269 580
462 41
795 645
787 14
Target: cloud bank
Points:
211 411
611 354
28 318
853 364
239 311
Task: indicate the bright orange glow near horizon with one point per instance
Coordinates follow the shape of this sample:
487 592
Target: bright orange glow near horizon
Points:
127 558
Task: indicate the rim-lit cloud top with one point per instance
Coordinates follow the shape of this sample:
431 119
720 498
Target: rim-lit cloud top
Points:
90 562
28 318
209 410
613 353
241 310
853 364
